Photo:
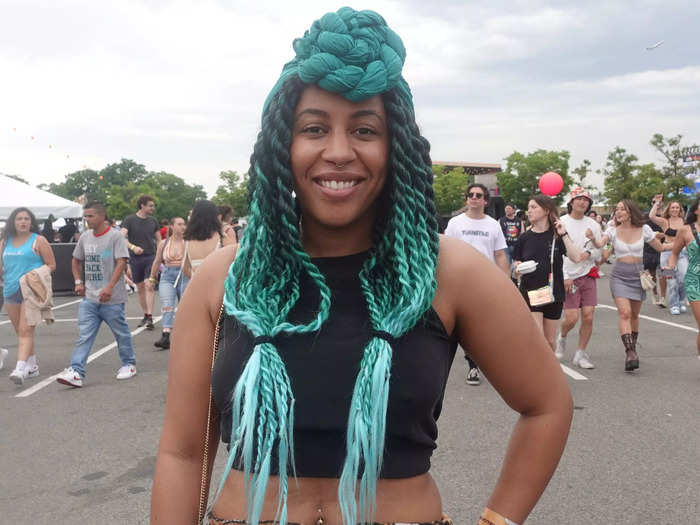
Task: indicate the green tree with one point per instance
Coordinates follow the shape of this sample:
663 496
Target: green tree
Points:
119 185
674 169
649 181
174 197
619 175
78 183
580 173
520 179
449 186
233 191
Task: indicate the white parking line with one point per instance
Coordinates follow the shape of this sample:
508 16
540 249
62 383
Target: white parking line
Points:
46 382
54 308
648 318
573 373
75 320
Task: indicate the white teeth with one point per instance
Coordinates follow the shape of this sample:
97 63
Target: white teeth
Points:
337 185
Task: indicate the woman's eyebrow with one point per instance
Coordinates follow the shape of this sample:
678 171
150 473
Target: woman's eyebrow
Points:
356 114
312 111
367 113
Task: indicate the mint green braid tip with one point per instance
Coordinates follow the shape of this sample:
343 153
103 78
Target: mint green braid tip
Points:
353 53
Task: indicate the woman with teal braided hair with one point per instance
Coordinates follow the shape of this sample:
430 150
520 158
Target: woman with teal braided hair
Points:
339 316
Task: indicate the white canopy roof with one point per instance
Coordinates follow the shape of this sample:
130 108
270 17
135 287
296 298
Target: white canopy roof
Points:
14 194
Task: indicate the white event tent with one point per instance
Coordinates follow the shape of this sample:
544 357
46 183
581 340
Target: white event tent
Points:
14 194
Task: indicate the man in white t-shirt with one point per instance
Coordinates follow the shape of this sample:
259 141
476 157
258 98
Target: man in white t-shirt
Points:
478 229
483 233
580 279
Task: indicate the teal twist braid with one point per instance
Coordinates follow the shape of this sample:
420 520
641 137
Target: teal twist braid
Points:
349 52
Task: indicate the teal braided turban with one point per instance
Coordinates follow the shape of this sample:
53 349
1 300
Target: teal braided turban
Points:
350 52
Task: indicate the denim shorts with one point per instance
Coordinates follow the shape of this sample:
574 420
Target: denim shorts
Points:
15 298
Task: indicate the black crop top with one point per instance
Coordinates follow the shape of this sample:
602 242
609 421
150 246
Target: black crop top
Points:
322 369
671 232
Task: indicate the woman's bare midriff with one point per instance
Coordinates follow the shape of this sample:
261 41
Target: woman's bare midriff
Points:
413 499
628 259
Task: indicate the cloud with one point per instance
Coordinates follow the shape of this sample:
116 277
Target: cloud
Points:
179 86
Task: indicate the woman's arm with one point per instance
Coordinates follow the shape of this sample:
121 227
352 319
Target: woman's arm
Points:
176 485
599 243
659 221
43 248
150 282
492 320
678 245
573 252
227 240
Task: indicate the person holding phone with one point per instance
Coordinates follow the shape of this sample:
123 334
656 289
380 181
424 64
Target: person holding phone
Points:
671 221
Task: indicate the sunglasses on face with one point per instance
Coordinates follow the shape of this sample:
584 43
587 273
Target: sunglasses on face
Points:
474 195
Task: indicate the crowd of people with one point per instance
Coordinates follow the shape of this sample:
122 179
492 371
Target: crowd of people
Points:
106 261
556 262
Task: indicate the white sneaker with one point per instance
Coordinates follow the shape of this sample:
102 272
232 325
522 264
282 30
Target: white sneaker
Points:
560 350
3 355
582 360
19 374
684 309
473 377
70 377
32 371
126 372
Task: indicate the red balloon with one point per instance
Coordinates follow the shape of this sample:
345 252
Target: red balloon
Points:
551 183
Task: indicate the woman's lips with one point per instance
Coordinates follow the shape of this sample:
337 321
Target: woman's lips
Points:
337 189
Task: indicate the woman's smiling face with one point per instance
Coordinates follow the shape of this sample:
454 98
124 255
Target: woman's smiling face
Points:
339 157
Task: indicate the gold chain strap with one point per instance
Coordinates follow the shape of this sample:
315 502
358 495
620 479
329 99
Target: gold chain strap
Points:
203 489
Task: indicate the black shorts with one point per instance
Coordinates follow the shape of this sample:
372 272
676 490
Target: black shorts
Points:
141 266
651 260
549 311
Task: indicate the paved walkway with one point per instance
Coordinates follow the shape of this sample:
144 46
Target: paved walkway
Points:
87 456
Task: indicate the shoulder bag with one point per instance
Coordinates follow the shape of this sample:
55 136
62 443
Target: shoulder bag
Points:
204 484
545 295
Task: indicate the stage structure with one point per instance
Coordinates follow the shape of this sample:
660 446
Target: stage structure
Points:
485 174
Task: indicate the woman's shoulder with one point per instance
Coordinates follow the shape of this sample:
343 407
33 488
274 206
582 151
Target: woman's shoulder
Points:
209 279
458 261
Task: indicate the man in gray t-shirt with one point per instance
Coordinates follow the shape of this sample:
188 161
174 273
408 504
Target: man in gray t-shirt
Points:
102 253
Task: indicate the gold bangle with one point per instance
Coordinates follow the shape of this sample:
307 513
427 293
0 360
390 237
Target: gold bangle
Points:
490 517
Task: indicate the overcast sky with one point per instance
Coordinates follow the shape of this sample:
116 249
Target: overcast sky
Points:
179 86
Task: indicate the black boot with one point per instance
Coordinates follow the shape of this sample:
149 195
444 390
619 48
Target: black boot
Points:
164 341
631 359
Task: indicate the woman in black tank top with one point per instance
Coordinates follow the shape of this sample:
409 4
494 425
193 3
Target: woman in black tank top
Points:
338 318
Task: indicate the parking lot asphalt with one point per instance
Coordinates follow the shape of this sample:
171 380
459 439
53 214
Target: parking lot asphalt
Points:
633 456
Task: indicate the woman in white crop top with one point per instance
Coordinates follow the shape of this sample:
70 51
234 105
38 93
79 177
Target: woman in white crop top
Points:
628 236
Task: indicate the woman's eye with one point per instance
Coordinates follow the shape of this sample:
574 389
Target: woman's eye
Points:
365 131
312 130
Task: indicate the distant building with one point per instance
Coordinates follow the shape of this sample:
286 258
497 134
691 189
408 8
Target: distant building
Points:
485 174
